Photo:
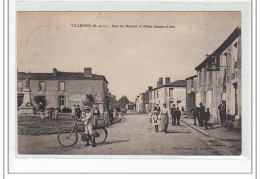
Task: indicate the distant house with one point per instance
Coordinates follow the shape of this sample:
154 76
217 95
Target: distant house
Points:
169 93
64 89
130 106
142 102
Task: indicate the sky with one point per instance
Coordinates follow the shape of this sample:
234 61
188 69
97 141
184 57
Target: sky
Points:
131 59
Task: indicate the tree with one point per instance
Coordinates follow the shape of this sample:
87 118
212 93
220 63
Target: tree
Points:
123 101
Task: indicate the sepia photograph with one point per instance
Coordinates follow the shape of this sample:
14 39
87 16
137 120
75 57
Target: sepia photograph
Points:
129 83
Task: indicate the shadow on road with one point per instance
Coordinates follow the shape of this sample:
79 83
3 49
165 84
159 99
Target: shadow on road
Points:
114 142
178 131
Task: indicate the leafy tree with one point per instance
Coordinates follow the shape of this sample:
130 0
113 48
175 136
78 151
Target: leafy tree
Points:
123 101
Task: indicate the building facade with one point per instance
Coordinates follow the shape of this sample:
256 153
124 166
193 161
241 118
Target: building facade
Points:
142 102
169 93
191 90
64 89
219 78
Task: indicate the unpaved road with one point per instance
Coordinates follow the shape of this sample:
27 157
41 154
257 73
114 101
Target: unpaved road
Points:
132 136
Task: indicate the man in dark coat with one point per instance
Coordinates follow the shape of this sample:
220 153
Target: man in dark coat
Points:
173 109
194 111
222 112
201 114
110 114
178 116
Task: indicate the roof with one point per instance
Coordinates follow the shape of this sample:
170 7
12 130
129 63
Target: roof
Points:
178 83
191 77
236 33
60 76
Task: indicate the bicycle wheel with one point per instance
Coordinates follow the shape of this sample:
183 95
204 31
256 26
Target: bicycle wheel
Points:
68 139
101 134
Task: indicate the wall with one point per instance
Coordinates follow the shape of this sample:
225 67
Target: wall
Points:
75 92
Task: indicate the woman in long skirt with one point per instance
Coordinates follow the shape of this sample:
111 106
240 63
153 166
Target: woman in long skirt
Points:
164 118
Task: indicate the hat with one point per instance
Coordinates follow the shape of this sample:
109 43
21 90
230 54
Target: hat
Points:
200 103
164 103
87 107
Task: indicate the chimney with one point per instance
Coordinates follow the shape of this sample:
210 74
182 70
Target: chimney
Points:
87 72
160 81
55 72
167 80
150 88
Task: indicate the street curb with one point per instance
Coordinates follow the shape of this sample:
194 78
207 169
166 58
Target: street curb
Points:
199 130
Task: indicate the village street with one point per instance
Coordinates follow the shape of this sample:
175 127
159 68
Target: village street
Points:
132 136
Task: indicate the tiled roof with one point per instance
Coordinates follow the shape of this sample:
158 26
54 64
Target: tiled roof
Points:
60 76
191 77
178 83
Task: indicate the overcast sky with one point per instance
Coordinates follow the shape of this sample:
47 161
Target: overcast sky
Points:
131 58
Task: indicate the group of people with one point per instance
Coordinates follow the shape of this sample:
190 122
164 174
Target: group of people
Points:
48 114
161 117
202 115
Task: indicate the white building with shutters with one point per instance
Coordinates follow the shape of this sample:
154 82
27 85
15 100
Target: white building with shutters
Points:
219 78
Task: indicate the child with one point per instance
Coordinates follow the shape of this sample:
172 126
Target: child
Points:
42 116
56 114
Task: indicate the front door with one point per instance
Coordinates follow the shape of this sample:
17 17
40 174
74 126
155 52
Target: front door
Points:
61 102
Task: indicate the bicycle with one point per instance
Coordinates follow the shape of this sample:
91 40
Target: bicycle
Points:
69 138
230 124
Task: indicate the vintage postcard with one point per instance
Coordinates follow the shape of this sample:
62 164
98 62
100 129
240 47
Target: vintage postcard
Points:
129 83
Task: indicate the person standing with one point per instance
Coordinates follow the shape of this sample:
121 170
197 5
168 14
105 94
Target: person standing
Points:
110 114
173 109
51 112
56 114
106 116
78 112
206 119
164 118
96 116
182 110
194 114
222 112
156 112
73 112
150 116
178 116
201 114
89 124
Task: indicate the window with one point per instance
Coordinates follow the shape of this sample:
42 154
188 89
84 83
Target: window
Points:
61 85
154 95
42 86
157 93
170 92
62 100
19 86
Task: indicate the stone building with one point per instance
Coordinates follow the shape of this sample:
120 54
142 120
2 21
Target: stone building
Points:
64 89
169 93
191 90
219 78
142 102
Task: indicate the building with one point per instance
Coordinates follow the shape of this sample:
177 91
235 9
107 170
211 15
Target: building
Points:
142 102
130 107
113 102
191 89
219 78
169 93
64 89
